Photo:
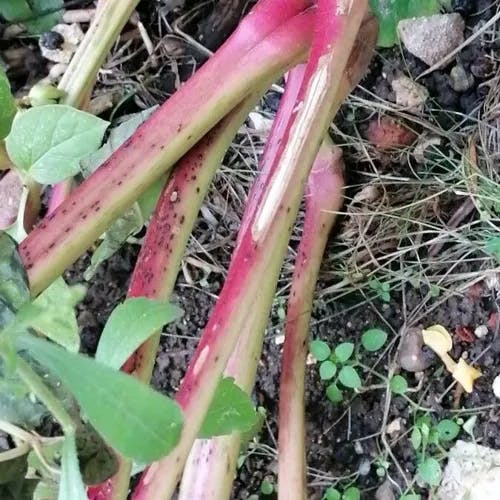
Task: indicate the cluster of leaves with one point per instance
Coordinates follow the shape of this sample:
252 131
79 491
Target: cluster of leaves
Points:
37 16
97 385
426 437
338 366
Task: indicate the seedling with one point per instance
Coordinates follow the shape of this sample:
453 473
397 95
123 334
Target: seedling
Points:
350 493
382 289
427 438
339 364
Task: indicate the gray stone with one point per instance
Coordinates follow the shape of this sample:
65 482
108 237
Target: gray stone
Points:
409 93
411 356
432 38
472 473
460 80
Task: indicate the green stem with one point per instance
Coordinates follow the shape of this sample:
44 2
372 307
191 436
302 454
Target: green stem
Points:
80 76
36 385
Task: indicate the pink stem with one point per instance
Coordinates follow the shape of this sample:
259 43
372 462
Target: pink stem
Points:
58 194
323 199
170 132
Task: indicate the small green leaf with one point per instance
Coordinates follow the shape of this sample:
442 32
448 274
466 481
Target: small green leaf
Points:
327 370
53 314
430 471
332 494
149 424
334 394
266 487
130 324
390 12
416 438
493 247
351 493
7 105
447 430
38 16
14 291
128 224
47 142
344 351
469 425
320 350
349 377
398 384
373 339
117 136
71 484
410 496
231 411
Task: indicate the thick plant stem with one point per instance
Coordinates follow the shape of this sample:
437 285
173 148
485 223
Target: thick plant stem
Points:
181 122
43 393
159 260
262 246
79 78
323 198
211 464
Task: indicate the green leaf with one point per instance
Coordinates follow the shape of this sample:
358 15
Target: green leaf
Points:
334 394
53 314
493 247
7 105
469 425
266 487
130 324
332 494
320 350
117 136
37 15
344 351
47 142
398 384
410 496
373 339
447 430
14 291
18 490
148 201
416 438
71 484
128 224
390 12
148 424
430 471
231 411
351 493
349 377
327 370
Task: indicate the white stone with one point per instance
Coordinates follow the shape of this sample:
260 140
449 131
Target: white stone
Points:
472 472
432 38
481 331
73 35
409 93
496 386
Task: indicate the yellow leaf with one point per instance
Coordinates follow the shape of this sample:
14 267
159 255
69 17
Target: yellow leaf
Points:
465 375
438 339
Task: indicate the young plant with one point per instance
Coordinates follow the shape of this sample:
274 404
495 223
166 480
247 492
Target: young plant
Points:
349 493
338 366
427 438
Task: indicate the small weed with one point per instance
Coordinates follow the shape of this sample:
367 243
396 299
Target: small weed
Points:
382 288
350 493
340 366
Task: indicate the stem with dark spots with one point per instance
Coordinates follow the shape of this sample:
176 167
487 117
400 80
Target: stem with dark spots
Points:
170 132
262 245
164 245
323 197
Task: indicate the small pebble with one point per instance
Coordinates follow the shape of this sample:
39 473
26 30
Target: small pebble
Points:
394 427
460 80
481 331
51 40
409 93
496 386
364 467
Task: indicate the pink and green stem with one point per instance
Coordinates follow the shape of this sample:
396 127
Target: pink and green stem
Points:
163 248
155 147
262 245
323 198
